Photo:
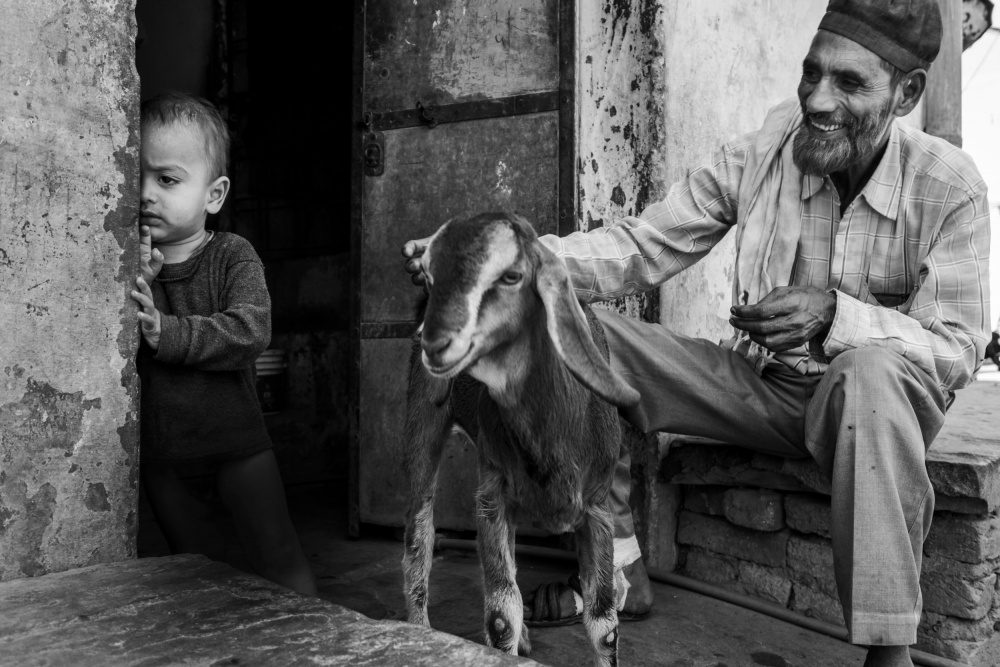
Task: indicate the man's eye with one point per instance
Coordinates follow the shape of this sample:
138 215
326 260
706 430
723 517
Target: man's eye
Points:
810 75
850 85
511 278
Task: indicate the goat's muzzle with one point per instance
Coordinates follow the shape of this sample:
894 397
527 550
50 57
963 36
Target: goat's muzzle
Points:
444 353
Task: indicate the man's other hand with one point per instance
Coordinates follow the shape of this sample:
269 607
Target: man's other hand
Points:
413 251
787 317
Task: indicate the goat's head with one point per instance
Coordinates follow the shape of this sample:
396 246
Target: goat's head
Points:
487 277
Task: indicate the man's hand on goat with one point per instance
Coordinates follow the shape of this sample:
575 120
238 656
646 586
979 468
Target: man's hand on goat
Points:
413 251
787 317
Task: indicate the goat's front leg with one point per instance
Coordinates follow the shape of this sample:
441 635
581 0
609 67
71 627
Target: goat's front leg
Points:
595 549
503 610
427 429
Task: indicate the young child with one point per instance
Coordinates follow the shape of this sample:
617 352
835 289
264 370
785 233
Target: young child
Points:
205 317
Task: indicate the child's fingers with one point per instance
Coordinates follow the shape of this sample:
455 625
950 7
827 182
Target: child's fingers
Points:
145 300
144 287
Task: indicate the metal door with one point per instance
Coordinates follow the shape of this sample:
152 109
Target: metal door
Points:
463 106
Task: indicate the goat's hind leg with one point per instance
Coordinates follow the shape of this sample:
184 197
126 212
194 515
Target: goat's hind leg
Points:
595 549
427 427
503 610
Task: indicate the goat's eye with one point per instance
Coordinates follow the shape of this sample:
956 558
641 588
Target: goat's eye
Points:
511 278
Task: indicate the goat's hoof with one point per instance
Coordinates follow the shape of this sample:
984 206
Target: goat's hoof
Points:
500 633
524 644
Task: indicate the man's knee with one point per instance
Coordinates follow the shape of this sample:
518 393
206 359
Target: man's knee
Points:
868 365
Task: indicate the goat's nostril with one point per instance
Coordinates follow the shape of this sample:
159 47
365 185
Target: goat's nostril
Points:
435 344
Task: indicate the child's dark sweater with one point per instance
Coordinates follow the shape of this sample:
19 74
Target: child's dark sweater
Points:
198 393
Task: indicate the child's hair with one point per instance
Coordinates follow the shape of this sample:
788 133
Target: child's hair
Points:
170 108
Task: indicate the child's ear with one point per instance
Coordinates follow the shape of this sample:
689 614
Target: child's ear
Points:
217 191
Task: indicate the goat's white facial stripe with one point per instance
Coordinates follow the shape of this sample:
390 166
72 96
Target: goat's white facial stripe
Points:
502 252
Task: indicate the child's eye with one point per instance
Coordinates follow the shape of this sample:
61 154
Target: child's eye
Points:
166 180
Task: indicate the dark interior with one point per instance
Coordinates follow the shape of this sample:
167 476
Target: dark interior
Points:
283 80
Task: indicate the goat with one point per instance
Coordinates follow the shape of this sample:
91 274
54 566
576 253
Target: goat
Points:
506 354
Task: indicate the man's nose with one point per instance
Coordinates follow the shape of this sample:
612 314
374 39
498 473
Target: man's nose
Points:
821 98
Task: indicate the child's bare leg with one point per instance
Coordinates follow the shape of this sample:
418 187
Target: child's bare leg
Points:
185 520
252 490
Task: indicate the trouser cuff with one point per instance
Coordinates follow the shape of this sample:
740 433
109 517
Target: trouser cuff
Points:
883 629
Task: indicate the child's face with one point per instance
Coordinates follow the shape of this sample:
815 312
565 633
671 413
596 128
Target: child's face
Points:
176 193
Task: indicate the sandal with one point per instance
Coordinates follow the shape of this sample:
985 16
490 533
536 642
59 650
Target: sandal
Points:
555 604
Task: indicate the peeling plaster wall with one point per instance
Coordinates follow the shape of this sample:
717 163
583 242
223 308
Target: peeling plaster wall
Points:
662 85
727 63
621 70
68 253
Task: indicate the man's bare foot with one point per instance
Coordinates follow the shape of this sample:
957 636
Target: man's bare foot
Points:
640 594
888 656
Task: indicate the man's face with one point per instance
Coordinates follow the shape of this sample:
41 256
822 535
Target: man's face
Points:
847 104
175 187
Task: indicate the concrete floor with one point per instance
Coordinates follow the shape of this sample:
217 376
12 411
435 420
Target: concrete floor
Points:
684 630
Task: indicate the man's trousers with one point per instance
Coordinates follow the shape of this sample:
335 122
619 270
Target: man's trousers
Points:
867 422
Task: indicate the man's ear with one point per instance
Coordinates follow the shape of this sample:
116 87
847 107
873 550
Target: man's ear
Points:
910 89
217 191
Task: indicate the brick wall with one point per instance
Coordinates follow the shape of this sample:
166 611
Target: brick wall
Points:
775 546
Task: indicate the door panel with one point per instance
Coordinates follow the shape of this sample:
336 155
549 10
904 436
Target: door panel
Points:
490 134
448 51
432 175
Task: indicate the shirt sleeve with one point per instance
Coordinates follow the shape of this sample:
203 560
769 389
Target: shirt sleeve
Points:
635 254
231 339
947 326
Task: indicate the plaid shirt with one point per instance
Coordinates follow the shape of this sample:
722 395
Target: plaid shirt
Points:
908 260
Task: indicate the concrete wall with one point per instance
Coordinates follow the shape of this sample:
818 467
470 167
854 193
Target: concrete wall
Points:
621 75
662 85
68 194
727 63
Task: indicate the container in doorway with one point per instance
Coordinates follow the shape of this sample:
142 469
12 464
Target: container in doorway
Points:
272 381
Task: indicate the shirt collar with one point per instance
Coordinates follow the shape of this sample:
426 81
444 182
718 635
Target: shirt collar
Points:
882 189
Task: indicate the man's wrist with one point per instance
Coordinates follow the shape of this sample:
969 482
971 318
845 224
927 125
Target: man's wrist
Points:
818 341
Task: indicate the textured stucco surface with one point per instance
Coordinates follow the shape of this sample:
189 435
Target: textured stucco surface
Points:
188 610
726 64
68 195
620 65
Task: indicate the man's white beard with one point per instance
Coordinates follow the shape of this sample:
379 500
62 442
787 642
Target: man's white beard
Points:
821 157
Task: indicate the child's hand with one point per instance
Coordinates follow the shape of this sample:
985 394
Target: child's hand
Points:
150 259
149 316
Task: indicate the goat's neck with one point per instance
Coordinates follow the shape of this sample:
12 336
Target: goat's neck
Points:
539 399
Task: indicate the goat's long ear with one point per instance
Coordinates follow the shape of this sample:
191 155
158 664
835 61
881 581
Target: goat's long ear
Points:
570 333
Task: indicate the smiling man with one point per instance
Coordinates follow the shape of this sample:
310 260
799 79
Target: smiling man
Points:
860 305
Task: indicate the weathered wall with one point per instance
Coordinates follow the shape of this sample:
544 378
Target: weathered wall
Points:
620 65
662 85
68 194
727 63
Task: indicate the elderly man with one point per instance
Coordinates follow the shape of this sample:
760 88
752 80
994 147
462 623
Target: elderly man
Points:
860 305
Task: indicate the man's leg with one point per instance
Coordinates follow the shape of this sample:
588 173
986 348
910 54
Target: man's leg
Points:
869 424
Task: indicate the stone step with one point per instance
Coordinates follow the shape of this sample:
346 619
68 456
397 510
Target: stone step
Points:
160 611
963 463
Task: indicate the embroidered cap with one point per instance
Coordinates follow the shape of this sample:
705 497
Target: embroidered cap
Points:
907 33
